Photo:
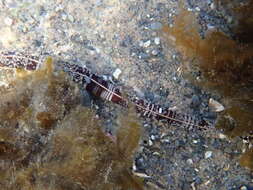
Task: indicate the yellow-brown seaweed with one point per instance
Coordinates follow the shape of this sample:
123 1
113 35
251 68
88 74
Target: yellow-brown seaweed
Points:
48 141
225 64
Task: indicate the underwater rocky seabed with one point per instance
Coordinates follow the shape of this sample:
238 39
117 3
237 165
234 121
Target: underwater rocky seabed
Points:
125 34
224 64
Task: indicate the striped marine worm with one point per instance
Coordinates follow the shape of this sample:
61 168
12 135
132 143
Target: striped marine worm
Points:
106 90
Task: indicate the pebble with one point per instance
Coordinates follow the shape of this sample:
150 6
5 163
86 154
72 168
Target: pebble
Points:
116 73
64 16
150 143
155 52
157 41
212 6
8 21
141 175
208 154
195 101
71 18
152 137
143 55
156 154
243 188
58 8
156 26
189 161
215 105
197 9
134 168
146 44
222 136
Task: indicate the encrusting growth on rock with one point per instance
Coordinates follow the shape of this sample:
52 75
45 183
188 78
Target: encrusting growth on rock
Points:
48 141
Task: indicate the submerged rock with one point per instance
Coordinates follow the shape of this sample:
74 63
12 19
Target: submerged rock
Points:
45 135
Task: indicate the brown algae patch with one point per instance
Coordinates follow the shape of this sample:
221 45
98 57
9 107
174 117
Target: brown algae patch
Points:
246 159
219 58
242 18
48 141
225 65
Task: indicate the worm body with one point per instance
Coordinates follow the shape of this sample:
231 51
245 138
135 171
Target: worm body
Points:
106 90
99 87
18 61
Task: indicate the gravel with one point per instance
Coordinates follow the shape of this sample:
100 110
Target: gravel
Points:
112 36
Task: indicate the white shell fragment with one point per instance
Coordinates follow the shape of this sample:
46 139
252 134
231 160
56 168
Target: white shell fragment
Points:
215 105
141 175
147 44
208 154
157 41
222 136
116 73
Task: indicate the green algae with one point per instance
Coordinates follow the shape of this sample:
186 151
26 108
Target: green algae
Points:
49 141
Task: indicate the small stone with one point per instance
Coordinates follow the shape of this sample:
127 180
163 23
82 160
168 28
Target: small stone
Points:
143 56
59 8
150 143
170 180
189 161
243 188
116 73
208 154
165 140
71 18
215 105
156 154
141 175
222 136
97 50
64 16
141 43
152 137
134 168
155 52
146 44
156 26
157 41
212 6
195 101
197 9
8 21
197 180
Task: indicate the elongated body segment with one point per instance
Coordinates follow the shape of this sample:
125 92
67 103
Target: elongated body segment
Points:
18 61
147 109
99 87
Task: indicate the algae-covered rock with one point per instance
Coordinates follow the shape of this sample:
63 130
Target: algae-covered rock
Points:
49 141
